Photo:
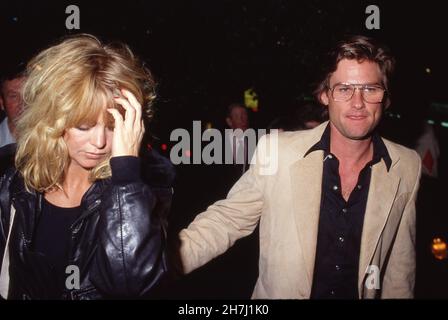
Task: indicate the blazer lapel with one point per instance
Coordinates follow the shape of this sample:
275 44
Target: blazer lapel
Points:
306 183
382 193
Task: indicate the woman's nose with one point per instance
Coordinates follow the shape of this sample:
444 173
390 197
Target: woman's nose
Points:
98 138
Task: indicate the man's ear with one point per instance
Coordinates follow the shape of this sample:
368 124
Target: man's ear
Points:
1 103
386 104
229 122
323 97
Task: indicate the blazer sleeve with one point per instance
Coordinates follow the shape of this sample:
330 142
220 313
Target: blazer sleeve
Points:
399 276
130 258
214 231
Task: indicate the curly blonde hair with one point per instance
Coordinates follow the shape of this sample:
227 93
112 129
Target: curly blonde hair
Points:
67 85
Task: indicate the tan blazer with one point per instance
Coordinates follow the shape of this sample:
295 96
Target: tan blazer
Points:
287 205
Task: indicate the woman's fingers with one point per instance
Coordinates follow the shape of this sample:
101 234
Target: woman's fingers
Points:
130 114
117 117
129 129
134 103
142 131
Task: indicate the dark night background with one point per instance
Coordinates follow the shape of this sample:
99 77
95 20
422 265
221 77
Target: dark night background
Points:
204 54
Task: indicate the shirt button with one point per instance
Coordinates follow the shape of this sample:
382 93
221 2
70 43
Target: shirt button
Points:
332 292
344 210
341 239
335 188
330 156
337 267
359 187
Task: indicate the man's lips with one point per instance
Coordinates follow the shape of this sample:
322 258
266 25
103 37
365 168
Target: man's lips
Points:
356 117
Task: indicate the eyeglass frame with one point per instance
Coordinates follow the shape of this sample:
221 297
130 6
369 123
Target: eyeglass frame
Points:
357 86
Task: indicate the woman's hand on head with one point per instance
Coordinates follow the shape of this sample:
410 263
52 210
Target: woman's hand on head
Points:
128 132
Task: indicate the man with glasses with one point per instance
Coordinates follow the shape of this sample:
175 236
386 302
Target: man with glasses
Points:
337 218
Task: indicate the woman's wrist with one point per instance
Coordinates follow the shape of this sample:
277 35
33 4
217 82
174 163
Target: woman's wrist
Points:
125 169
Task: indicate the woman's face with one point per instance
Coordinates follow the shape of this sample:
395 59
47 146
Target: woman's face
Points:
89 144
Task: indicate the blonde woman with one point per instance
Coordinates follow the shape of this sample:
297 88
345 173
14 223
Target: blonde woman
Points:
76 219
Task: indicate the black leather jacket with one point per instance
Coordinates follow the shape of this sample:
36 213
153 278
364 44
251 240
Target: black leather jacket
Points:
117 242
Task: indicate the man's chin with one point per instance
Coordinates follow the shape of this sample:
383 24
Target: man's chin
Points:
359 135
360 132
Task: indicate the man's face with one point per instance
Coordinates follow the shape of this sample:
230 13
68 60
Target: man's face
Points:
354 119
238 119
11 99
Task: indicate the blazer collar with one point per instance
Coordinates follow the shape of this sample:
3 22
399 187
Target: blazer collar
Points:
379 148
382 193
306 188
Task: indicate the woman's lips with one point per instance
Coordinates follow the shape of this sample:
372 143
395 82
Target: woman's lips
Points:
95 155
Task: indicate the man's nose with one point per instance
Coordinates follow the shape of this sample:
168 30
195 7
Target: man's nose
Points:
20 105
357 99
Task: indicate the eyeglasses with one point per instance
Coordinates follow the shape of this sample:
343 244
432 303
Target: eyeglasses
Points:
371 93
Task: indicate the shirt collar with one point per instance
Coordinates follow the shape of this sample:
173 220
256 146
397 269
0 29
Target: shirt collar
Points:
379 148
5 135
